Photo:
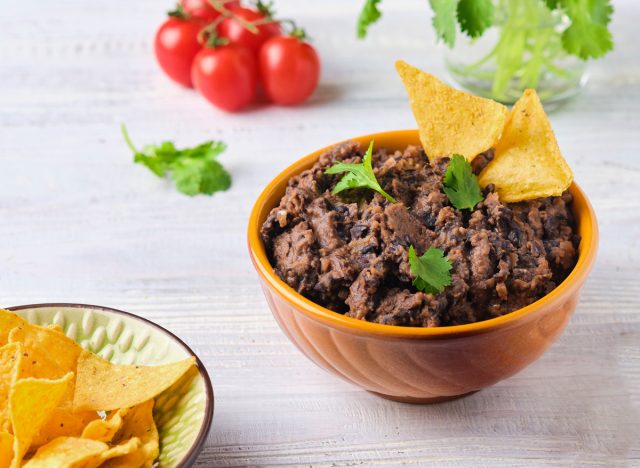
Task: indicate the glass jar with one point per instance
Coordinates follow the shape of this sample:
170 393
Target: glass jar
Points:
523 49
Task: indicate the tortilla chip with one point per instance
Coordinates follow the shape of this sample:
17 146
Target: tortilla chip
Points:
451 121
129 450
64 423
139 423
134 458
105 429
103 386
8 321
31 404
68 452
527 163
48 353
55 327
10 356
6 449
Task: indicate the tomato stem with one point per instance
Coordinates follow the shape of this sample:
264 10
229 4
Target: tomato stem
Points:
294 29
208 36
225 12
178 12
265 8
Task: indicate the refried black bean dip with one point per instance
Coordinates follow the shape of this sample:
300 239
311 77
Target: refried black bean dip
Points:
349 252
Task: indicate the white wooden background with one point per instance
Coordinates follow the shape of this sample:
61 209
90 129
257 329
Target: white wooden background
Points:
79 222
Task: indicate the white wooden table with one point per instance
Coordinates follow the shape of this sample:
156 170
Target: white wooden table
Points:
79 222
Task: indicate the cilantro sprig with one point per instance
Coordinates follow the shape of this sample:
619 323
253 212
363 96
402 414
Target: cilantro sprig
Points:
358 176
461 184
523 52
431 272
193 170
587 35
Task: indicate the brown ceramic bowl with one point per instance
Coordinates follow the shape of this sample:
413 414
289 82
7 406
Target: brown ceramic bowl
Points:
418 365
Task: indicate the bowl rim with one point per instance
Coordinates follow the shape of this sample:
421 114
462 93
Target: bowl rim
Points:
197 446
586 257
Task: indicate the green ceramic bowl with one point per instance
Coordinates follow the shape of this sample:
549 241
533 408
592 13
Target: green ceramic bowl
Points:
183 413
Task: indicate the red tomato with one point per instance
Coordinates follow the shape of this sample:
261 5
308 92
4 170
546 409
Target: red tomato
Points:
238 34
289 69
176 45
226 76
202 9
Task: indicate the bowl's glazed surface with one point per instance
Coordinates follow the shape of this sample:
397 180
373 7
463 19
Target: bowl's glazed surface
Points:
409 364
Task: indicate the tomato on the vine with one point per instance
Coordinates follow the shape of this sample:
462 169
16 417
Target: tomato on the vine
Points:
238 33
204 10
176 44
289 69
227 76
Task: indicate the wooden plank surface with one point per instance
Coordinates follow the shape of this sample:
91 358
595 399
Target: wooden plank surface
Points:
81 223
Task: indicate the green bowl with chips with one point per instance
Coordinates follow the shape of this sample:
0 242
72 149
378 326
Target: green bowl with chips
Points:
183 413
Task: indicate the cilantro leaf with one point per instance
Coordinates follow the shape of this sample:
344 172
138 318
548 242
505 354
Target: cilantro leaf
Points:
431 271
193 170
358 176
588 35
369 14
475 16
461 184
444 20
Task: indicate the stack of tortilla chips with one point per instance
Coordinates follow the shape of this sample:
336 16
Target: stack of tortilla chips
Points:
61 405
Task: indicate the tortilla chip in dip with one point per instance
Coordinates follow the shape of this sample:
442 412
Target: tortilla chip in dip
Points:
527 163
451 121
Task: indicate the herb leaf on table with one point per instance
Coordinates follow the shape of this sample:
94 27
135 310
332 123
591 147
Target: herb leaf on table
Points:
461 184
431 271
358 176
369 14
193 170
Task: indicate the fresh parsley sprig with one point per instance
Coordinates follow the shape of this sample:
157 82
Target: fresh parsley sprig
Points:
461 184
358 176
193 170
431 272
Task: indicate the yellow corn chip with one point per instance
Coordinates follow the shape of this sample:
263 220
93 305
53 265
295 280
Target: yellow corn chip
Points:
6 449
451 121
10 356
528 163
139 423
31 404
103 386
68 452
134 458
48 354
55 327
105 430
8 321
130 449
64 423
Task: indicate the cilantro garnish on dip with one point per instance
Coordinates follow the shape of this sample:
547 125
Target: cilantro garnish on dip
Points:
461 184
358 176
431 271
